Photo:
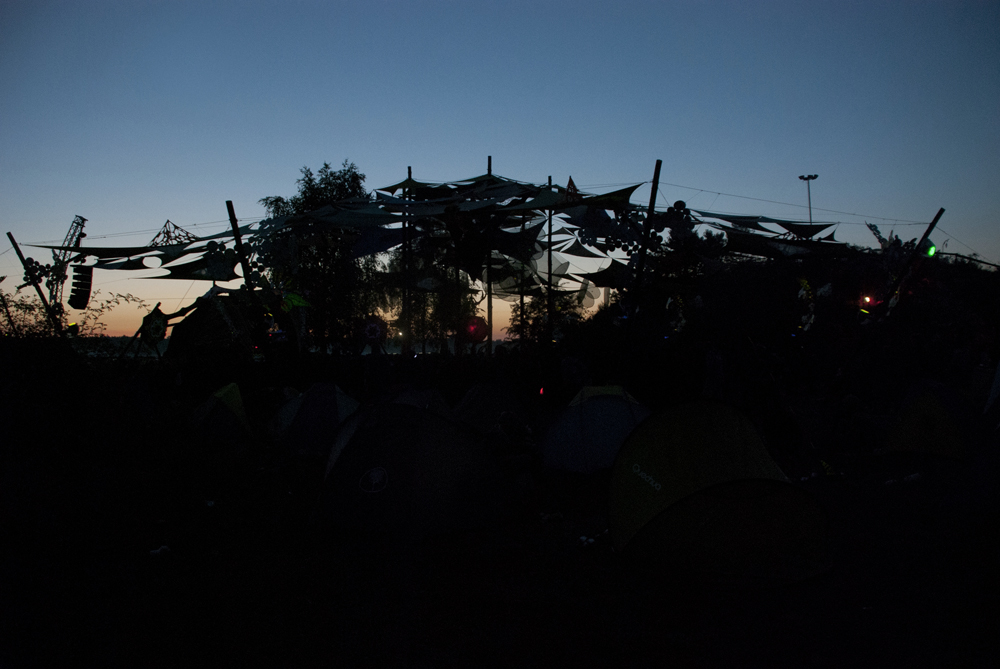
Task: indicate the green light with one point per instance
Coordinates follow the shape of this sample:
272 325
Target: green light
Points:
931 250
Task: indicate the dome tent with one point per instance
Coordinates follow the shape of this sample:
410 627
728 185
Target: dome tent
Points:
586 437
307 424
496 413
221 443
403 473
694 487
933 419
422 398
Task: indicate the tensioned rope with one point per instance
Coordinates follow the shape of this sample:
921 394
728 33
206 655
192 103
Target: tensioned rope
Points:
893 220
793 204
147 231
951 236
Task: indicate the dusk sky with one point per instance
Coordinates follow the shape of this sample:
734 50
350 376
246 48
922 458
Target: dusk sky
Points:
133 113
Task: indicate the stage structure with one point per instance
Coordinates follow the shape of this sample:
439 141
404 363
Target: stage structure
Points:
514 239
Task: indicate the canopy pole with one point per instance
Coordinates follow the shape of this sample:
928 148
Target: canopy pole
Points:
459 326
520 290
647 230
489 301
549 297
893 292
239 246
48 310
407 307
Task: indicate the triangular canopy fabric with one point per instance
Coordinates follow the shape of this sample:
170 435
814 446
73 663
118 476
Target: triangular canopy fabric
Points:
615 275
103 251
405 184
749 222
804 230
200 269
519 245
124 263
797 228
544 201
613 200
580 251
769 246
377 240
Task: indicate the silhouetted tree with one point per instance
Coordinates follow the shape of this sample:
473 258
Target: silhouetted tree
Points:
315 190
567 311
312 266
439 305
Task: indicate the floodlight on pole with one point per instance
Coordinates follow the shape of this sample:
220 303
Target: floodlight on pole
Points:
807 179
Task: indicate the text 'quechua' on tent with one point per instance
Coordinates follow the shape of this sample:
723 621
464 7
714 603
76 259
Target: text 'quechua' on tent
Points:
694 490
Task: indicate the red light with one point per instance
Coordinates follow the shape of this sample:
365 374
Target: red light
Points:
541 391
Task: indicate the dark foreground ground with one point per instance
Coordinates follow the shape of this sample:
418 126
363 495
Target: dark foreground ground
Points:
120 548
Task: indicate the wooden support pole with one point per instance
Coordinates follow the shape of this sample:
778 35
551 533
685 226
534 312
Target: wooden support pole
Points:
549 295
913 256
407 251
489 302
647 230
520 290
239 246
459 325
56 325
927 233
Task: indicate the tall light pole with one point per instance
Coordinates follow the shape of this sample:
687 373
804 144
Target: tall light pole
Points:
807 179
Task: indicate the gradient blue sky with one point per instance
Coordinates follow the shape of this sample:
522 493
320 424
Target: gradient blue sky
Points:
133 113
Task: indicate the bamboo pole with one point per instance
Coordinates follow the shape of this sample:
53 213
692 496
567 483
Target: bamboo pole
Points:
489 300
520 290
647 230
407 251
893 292
240 253
549 296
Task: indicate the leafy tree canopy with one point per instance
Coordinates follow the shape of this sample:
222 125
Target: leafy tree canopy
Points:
315 263
315 190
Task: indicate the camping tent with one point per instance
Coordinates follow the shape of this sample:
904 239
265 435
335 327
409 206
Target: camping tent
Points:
221 438
401 473
587 435
694 486
932 419
307 424
422 398
494 411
